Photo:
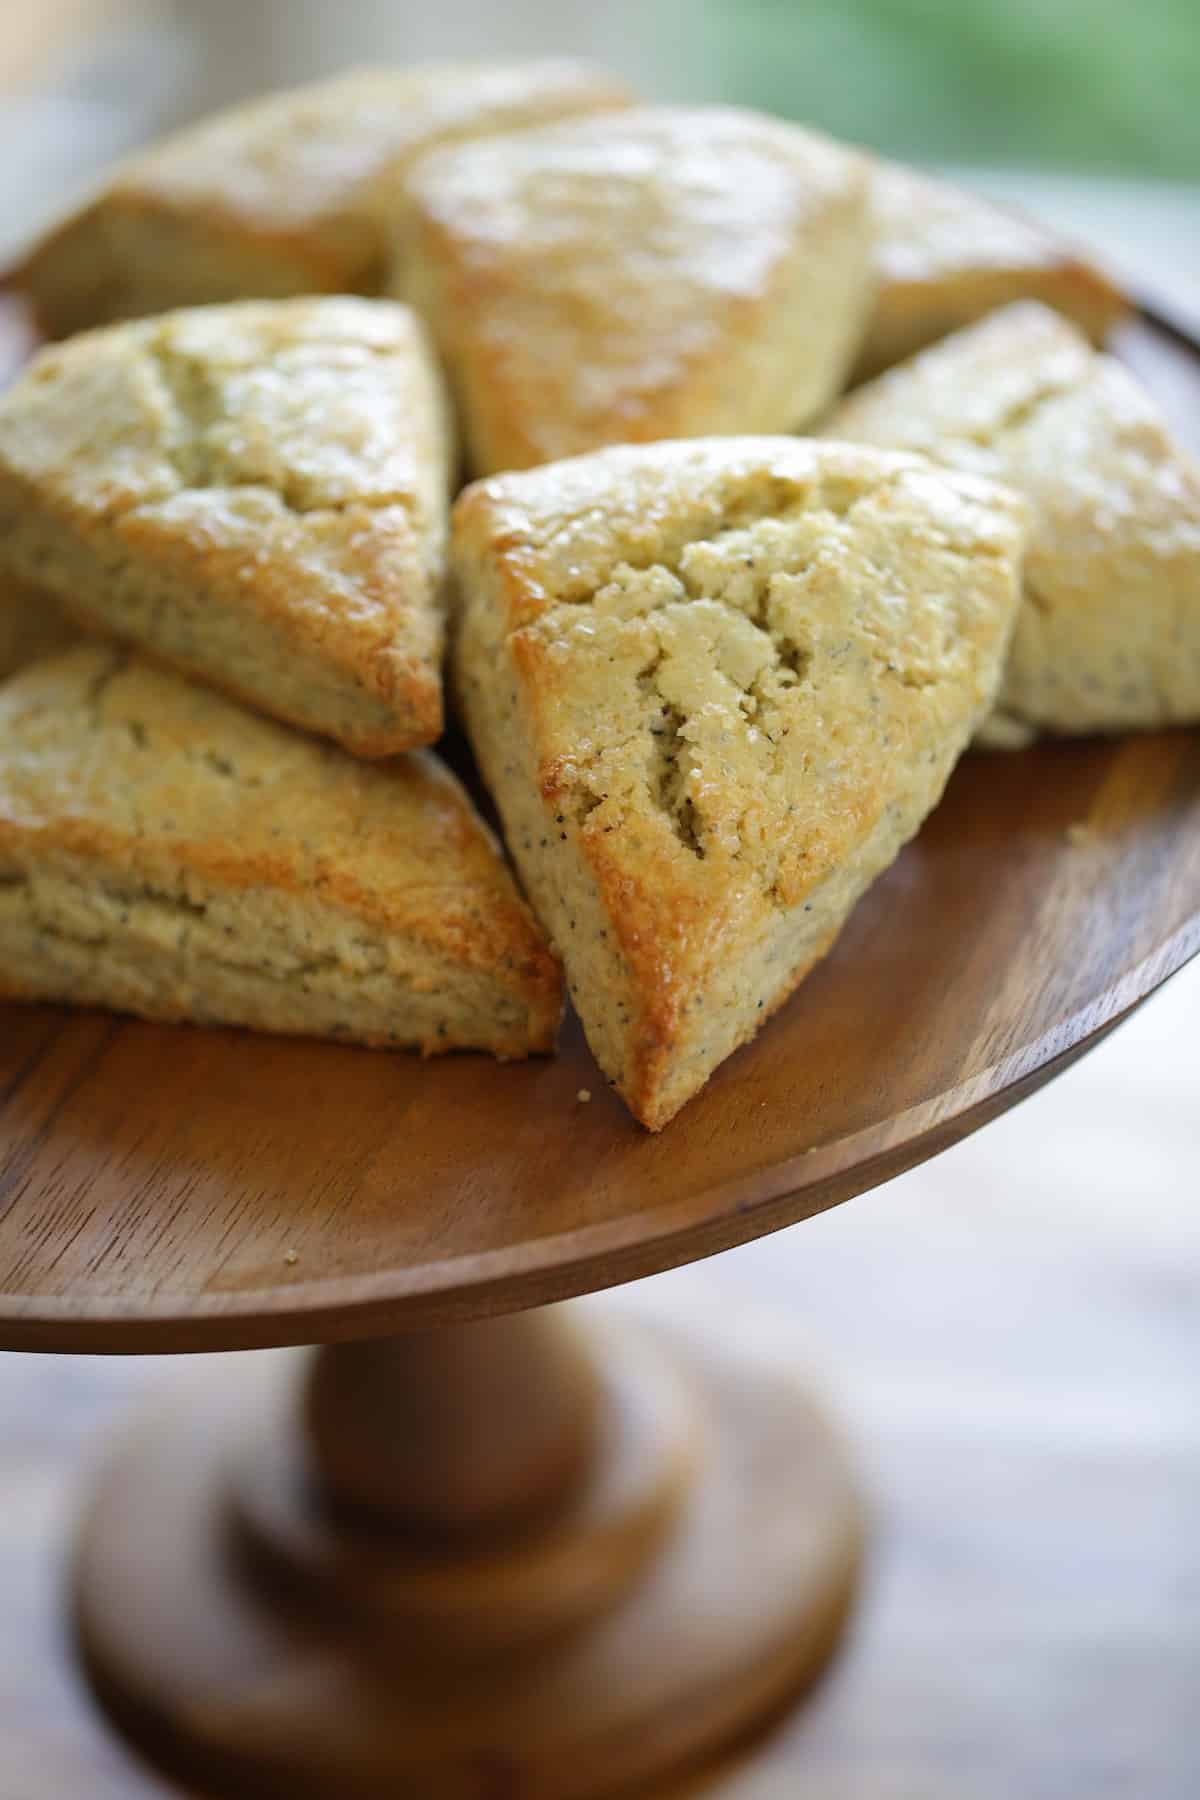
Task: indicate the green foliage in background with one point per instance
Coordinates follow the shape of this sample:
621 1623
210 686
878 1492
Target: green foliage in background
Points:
1100 84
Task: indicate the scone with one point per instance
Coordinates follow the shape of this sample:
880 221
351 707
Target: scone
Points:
32 624
944 258
291 194
1109 636
714 687
666 272
164 852
257 494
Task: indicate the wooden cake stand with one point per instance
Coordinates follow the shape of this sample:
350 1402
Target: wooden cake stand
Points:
474 1551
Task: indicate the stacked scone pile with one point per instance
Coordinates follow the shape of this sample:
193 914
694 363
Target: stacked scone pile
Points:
714 673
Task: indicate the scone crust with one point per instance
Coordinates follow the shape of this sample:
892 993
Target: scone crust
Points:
162 809
257 494
662 272
713 687
945 258
1109 636
293 193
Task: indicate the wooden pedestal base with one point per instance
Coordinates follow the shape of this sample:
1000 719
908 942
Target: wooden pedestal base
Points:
583 1558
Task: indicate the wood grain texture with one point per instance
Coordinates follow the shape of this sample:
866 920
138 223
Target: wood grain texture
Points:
178 1189
286 1691
1017 1354
452 1433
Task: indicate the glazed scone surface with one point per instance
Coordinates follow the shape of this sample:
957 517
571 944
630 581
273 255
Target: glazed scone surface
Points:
294 193
714 687
944 258
256 493
1109 636
663 272
166 853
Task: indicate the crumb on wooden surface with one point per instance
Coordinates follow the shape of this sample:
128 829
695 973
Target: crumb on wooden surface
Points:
291 1257
583 1096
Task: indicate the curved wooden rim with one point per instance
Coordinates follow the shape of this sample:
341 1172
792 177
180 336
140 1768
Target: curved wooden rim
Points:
595 1257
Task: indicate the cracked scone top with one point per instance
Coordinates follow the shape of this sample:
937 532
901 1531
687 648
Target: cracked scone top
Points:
163 852
714 687
293 193
1109 636
662 272
944 258
258 494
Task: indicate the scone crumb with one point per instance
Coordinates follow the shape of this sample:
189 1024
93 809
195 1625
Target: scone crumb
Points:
1079 833
583 1096
291 1258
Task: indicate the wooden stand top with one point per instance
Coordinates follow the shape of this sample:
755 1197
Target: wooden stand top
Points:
174 1189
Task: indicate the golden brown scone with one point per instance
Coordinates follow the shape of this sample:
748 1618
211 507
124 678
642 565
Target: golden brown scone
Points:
291 194
1109 636
163 852
944 258
666 272
256 493
32 625
714 687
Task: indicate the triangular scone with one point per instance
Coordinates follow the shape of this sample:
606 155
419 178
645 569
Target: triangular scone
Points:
666 272
32 625
291 194
714 687
163 852
944 258
1109 636
256 493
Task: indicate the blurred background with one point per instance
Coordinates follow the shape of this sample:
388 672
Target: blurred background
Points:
1084 109
1014 1330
